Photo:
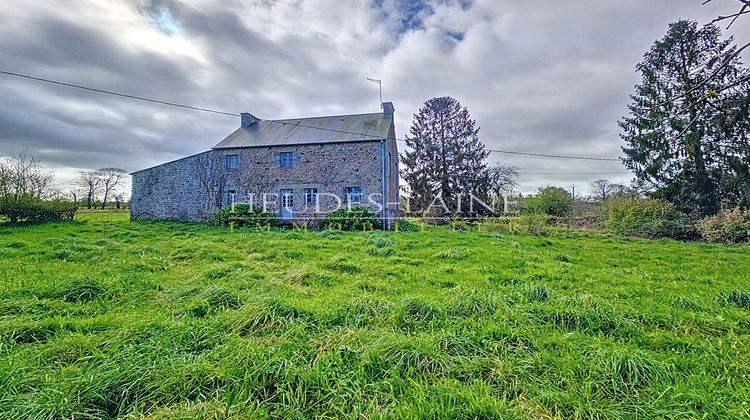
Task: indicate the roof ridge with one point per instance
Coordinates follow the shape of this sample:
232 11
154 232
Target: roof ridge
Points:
329 116
311 130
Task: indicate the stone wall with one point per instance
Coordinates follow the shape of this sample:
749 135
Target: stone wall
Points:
195 187
185 189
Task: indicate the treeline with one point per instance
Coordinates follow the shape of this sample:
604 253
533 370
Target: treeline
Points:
629 211
99 188
687 142
28 193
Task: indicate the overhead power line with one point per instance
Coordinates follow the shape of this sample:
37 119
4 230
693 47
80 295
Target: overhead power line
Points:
195 108
554 156
490 150
573 173
122 95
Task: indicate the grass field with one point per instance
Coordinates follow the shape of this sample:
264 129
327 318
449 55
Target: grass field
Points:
104 317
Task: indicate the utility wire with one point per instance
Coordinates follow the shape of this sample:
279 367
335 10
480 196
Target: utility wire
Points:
509 152
195 108
109 92
573 173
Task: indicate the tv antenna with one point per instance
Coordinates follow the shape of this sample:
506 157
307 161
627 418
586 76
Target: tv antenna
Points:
380 88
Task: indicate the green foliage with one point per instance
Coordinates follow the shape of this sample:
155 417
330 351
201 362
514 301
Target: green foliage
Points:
184 320
630 373
740 298
408 225
27 209
530 224
677 141
356 218
650 218
539 294
730 226
78 291
214 298
523 224
446 159
244 215
552 201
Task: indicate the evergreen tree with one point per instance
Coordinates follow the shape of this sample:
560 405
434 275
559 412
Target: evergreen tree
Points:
447 160
687 133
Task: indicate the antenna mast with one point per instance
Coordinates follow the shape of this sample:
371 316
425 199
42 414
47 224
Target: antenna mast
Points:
380 88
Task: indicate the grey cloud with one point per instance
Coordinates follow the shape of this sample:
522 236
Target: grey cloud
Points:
537 76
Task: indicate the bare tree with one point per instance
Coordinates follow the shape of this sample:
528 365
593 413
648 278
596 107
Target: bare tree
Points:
73 193
25 177
744 9
503 179
602 189
90 181
110 179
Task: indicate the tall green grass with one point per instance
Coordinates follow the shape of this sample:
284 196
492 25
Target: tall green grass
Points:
103 318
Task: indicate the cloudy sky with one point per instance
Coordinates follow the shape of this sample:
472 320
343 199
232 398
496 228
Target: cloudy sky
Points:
538 76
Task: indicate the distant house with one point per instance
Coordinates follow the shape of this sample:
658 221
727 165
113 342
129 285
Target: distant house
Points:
299 169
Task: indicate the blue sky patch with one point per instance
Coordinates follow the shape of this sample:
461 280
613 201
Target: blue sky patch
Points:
163 19
411 13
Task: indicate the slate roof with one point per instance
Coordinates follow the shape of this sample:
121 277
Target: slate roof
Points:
315 130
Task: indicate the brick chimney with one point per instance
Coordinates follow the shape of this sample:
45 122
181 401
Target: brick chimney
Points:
248 119
388 109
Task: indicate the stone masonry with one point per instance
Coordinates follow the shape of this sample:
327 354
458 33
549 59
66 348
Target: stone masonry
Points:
196 187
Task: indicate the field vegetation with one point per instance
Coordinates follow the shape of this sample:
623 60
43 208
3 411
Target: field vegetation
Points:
103 317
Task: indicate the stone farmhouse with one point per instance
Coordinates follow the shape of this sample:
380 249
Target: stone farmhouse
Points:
299 169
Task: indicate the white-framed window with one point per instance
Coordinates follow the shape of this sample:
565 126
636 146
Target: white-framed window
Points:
232 161
287 198
353 194
311 195
286 159
230 197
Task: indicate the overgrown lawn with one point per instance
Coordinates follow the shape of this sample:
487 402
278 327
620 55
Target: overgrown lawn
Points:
103 318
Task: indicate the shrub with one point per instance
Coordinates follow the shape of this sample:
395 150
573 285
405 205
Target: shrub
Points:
523 224
244 215
530 224
459 225
730 226
355 218
650 218
34 210
553 201
406 225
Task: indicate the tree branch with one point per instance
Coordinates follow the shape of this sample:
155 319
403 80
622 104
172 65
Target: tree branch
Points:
734 16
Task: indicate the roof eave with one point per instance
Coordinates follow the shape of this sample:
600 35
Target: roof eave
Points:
317 143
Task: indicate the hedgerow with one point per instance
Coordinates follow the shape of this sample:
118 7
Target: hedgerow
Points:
33 210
